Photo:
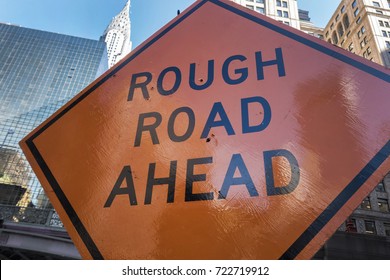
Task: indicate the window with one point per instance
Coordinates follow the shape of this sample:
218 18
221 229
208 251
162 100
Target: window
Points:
260 10
363 30
250 7
350 47
366 204
337 17
340 30
286 22
342 9
346 21
358 20
387 46
354 4
335 39
381 23
379 12
350 225
369 51
285 14
359 34
387 228
279 13
380 187
331 26
387 24
362 44
365 55
365 40
384 33
376 4
284 4
279 3
260 1
383 205
356 12
370 227
327 34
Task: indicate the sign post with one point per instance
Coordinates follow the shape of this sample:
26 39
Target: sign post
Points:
226 135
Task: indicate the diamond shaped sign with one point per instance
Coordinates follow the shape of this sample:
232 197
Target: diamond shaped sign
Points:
226 135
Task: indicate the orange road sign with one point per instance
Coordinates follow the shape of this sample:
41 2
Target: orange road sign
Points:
226 135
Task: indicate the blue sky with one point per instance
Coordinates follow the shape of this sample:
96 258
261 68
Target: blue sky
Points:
89 18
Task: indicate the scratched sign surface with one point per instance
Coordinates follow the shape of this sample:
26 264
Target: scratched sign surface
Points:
226 135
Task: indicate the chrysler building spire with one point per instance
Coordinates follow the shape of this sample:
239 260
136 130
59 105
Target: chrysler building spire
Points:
117 36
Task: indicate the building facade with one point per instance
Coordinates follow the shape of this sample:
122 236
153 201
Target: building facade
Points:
285 11
117 36
307 26
362 27
372 216
365 235
39 72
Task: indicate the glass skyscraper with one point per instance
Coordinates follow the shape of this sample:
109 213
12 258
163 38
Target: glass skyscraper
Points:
39 72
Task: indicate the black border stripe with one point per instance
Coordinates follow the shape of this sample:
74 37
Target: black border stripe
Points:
309 234
339 56
337 203
74 218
